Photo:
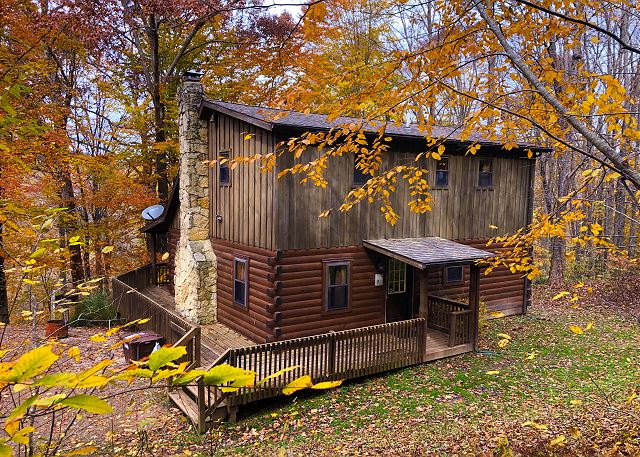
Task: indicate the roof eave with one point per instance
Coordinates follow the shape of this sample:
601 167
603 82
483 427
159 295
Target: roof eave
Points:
207 105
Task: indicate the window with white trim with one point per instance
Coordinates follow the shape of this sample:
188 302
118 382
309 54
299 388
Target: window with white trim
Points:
336 285
396 277
240 280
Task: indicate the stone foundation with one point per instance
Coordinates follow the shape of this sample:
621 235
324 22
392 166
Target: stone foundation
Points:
195 264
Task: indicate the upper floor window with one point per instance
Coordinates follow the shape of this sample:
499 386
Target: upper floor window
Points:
336 285
240 280
359 176
224 172
442 172
453 275
397 277
485 174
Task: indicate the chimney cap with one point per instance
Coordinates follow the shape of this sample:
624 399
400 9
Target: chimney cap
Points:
192 75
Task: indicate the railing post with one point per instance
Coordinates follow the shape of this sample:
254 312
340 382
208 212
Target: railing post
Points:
197 341
331 354
453 320
202 407
422 340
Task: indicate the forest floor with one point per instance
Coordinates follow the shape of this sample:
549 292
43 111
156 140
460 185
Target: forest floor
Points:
549 391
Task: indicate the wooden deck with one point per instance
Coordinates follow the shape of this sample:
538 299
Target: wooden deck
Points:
341 355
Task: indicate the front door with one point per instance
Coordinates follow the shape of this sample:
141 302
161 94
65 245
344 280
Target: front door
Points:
399 291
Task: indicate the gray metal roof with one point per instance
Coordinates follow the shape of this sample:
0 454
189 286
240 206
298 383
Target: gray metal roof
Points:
271 118
428 251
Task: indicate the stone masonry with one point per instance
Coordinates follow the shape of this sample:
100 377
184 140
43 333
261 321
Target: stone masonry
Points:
195 262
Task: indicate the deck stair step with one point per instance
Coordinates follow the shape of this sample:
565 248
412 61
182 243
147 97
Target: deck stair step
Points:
189 408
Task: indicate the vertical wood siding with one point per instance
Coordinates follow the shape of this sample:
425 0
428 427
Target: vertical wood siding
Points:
247 205
462 211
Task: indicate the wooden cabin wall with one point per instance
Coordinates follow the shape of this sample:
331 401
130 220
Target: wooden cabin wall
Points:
463 211
173 235
501 290
255 321
301 301
246 205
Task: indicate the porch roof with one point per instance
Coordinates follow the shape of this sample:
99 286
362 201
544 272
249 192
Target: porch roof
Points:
428 251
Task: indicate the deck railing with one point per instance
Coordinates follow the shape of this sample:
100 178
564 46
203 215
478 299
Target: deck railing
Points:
451 317
331 356
132 304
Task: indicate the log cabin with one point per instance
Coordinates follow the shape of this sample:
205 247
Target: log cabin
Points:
280 272
250 260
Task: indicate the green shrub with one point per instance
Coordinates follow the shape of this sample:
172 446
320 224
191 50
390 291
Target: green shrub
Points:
96 308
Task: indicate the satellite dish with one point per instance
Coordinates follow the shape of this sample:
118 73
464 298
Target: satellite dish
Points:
153 212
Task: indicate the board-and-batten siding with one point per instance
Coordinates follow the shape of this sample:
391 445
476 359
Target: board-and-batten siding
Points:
247 206
462 211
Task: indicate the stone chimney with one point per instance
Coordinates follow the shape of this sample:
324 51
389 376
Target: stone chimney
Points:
195 264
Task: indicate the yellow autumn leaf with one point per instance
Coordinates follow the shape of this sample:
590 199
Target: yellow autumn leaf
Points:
576 402
74 353
558 440
589 326
98 338
300 383
107 249
535 425
575 432
327 385
564 293
493 372
503 342
74 239
531 355
576 329
165 256
504 336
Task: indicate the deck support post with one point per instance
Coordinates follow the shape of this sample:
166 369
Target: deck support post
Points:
154 262
474 303
423 310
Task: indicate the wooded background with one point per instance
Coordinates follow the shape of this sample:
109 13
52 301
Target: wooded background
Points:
88 111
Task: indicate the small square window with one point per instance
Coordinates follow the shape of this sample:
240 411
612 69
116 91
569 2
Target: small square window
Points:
336 285
360 178
442 172
454 275
224 172
240 280
485 175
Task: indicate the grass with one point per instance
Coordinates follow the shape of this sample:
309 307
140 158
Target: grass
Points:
575 385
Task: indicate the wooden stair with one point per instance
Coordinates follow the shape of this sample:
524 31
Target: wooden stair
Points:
186 401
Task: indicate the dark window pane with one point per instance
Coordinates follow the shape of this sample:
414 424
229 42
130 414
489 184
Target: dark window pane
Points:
485 177
240 270
337 297
337 275
454 274
239 292
442 178
359 177
224 173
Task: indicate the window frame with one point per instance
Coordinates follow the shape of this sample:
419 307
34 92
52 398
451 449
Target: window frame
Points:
245 281
435 177
490 173
391 280
326 265
226 152
445 275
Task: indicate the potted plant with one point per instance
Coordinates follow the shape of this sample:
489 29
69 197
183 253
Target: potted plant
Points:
57 326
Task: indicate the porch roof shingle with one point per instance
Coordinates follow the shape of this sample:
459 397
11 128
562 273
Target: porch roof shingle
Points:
428 251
